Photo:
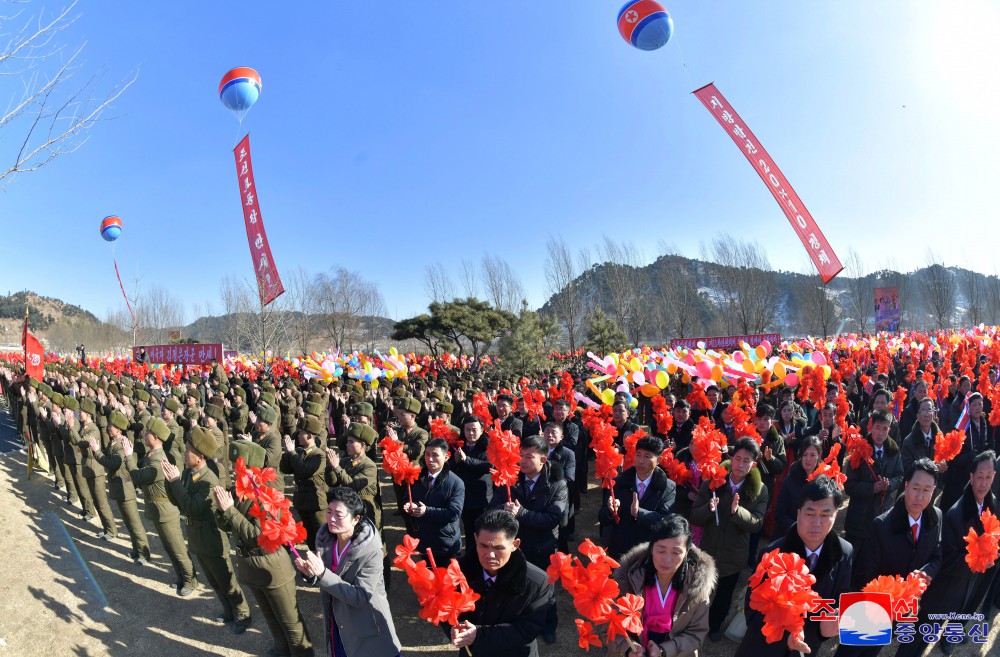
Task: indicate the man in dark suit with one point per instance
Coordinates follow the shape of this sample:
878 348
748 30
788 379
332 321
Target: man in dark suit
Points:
538 501
828 558
643 496
508 421
904 540
438 498
471 464
562 457
515 595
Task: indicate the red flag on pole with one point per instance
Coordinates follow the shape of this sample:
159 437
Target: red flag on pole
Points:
24 331
34 357
805 227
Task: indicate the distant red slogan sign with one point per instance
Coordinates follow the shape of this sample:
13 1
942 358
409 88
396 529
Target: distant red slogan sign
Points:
805 227
268 282
181 354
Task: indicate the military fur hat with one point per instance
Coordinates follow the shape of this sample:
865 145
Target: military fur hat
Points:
87 406
444 407
195 379
142 395
215 412
267 398
251 453
172 405
310 408
158 428
267 414
364 409
194 392
362 432
437 395
410 405
315 398
118 420
240 392
178 392
71 403
57 399
203 442
311 425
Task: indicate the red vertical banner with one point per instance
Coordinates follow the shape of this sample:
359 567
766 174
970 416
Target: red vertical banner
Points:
826 261
34 357
268 282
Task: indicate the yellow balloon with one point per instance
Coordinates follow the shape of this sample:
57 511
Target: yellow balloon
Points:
717 373
393 352
748 366
760 351
662 379
635 365
634 403
826 371
390 375
608 396
375 384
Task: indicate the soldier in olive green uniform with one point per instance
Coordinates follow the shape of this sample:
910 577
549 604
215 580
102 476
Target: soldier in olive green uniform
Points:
266 435
289 410
69 430
239 413
308 466
413 438
89 441
313 409
45 433
174 445
159 509
357 471
193 494
54 420
191 410
269 576
121 489
213 415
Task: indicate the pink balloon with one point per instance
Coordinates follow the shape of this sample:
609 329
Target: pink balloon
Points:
819 359
704 369
766 345
792 379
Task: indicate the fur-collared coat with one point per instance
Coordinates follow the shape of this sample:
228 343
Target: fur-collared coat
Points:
689 624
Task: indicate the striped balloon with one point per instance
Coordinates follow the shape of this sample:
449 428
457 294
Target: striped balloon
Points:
111 228
645 24
240 89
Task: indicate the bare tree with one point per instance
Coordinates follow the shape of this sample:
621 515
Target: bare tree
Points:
818 313
938 290
975 297
993 298
49 115
627 284
860 291
157 312
468 277
562 272
349 303
503 287
437 283
675 295
747 289
303 304
250 324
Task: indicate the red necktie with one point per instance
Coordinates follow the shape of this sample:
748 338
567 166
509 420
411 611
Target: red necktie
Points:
914 528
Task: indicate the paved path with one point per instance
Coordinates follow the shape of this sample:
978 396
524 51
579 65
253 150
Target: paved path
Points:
9 440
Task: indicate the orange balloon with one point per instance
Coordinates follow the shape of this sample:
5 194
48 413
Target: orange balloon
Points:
649 390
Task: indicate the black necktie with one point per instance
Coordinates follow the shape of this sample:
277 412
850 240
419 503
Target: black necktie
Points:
878 455
528 485
811 561
487 585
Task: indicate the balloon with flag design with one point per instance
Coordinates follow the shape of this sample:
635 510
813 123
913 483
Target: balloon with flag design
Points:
111 228
645 24
239 90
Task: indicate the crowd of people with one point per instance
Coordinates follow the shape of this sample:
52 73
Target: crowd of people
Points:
683 546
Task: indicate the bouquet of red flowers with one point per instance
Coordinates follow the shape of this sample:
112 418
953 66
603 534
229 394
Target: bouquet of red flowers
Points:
948 445
277 524
397 463
481 408
594 595
532 401
504 452
698 399
831 468
903 593
676 470
662 415
607 457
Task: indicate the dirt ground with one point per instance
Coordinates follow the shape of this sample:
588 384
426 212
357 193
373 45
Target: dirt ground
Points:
65 592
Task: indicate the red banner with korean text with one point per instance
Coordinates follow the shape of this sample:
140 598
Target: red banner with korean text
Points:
268 282
181 354
728 342
805 227
34 357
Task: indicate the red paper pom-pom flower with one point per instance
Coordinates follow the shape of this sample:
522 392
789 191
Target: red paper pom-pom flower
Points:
781 589
831 468
676 470
707 444
983 549
948 445
504 452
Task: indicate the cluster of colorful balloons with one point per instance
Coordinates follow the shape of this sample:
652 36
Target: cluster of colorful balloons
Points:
645 24
111 228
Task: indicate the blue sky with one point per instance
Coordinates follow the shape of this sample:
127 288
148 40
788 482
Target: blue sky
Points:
387 139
